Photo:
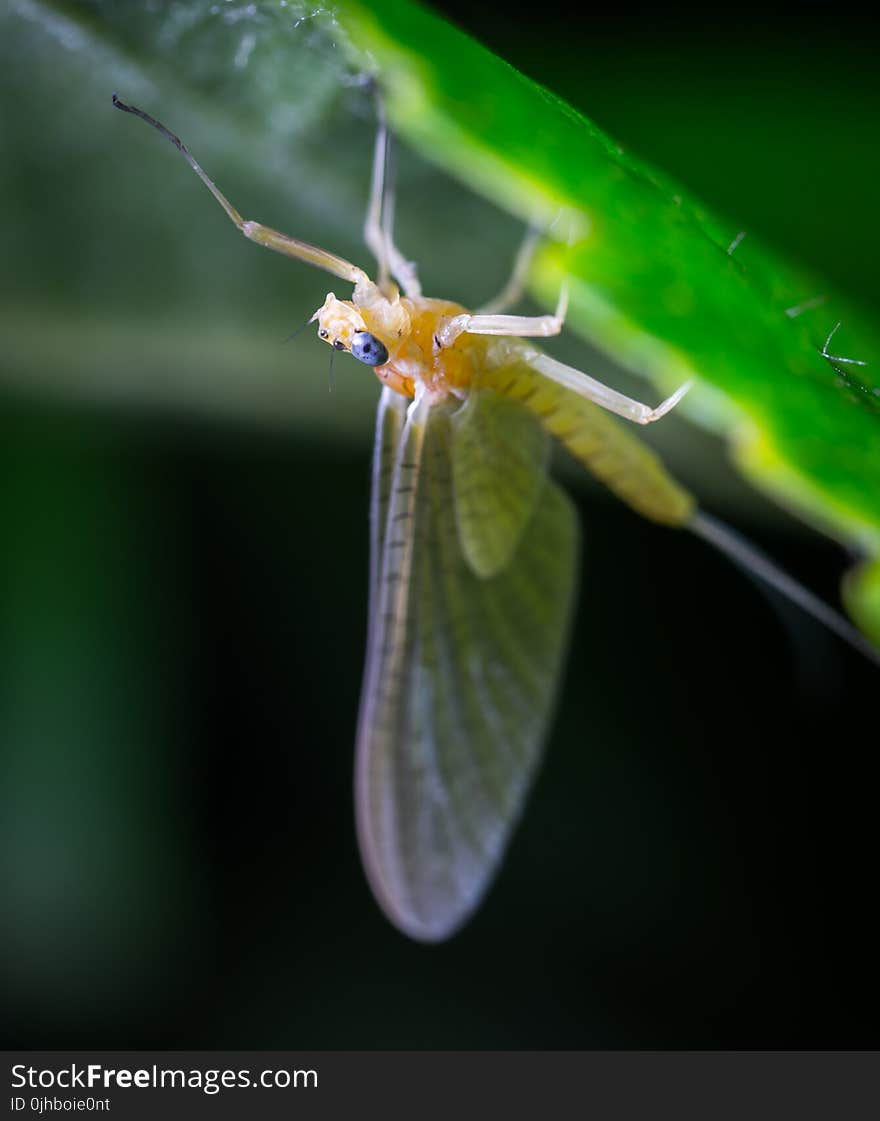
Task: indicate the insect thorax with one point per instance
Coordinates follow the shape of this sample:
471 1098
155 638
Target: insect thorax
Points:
410 331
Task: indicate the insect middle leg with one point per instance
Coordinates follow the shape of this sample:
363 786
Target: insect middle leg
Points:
513 326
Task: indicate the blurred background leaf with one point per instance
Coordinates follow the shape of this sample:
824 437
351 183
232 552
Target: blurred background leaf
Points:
184 583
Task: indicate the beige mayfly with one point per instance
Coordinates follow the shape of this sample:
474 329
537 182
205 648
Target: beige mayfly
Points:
473 556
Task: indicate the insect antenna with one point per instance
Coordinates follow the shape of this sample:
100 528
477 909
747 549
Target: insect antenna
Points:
330 381
299 330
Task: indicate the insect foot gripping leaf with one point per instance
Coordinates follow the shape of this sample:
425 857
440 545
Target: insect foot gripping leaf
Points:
460 678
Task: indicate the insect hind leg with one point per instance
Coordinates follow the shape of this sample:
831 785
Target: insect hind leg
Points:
603 395
513 326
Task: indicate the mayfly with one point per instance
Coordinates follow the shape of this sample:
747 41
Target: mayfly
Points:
472 556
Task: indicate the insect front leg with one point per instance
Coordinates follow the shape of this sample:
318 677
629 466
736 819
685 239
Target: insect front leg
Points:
255 231
379 222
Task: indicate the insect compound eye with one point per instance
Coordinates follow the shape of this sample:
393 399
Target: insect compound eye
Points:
366 348
323 333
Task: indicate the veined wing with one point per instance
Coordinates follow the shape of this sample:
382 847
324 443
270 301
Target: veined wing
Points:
499 466
460 678
390 419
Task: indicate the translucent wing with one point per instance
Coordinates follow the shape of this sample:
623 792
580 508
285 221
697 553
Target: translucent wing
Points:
460 677
390 417
498 471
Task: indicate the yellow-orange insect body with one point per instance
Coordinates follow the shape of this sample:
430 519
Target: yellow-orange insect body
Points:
428 351
412 330
473 556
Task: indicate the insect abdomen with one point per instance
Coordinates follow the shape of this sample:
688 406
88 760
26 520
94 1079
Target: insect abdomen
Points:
601 443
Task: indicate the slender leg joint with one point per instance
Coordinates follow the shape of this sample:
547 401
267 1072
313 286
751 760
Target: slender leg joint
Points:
603 395
664 407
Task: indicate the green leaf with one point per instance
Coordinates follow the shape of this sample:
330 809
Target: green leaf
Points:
658 281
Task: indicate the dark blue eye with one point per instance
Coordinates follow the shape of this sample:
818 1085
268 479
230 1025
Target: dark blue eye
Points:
366 348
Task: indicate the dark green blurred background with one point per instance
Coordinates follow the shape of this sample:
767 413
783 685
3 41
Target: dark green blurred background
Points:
184 570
